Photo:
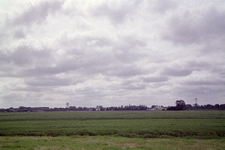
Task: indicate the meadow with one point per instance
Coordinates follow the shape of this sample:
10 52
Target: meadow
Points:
108 143
135 127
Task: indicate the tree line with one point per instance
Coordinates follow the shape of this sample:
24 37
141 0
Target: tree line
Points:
180 105
74 108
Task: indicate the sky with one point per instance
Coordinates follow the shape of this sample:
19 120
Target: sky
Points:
111 52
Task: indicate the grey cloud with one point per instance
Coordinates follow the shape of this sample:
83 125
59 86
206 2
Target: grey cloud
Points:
82 64
163 6
22 56
21 99
2 37
113 53
47 81
40 71
127 57
114 15
191 28
25 61
93 96
19 34
213 22
155 79
127 82
204 93
26 55
176 72
91 63
117 13
29 89
84 42
180 31
198 65
132 42
132 85
135 87
117 58
128 70
38 13
129 50
4 58
13 96
100 41
202 82
109 61
47 70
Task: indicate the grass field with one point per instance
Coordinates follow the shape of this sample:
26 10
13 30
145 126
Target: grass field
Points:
108 143
114 130
203 124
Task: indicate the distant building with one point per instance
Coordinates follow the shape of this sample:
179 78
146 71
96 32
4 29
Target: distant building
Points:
90 109
98 107
156 107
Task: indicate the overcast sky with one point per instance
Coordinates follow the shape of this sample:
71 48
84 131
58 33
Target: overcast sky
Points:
111 52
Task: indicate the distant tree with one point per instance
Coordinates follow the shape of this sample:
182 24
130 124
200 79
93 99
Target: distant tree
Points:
222 107
22 109
217 106
180 105
153 106
142 107
79 108
209 106
172 108
73 108
189 106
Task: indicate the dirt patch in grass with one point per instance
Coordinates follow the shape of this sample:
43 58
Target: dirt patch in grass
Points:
132 145
36 138
51 148
84 140
198 145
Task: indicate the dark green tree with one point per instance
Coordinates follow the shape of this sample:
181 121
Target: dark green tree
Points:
180 105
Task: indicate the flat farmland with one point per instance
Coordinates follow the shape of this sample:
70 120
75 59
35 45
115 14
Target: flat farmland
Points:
135 124
107 143
165 130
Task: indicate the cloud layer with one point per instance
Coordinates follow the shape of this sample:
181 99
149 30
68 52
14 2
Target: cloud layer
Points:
111 53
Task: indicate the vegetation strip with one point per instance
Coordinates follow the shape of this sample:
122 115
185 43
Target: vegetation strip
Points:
107 143
125 124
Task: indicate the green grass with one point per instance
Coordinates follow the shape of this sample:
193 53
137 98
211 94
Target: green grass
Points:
108 143
113 115
139 124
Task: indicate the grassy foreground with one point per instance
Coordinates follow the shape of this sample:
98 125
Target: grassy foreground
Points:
108 143
141 124
160 130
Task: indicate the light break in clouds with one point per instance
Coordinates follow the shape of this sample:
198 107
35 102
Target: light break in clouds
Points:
111 53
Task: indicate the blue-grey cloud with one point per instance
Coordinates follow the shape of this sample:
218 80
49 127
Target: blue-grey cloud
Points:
163 6
91 53
116 12
176 72
190 28
48 81
19 34
155 79
37 13
218 82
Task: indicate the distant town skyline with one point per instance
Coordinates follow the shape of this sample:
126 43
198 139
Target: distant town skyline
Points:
111 53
